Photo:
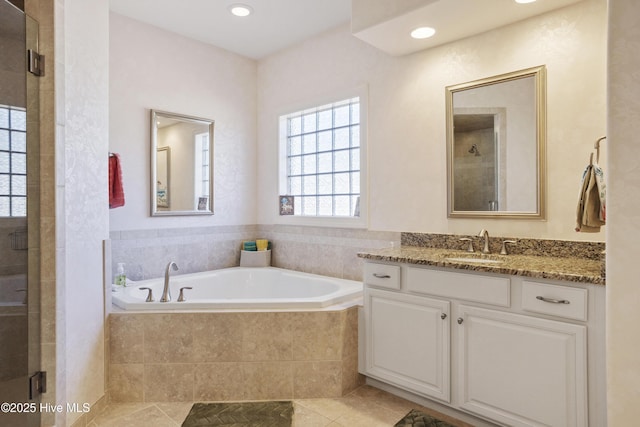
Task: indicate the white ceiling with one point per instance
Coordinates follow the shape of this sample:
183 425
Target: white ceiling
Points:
274 24
277 24
452 19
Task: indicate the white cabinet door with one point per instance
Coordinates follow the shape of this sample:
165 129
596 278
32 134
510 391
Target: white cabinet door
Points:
407 341
521 370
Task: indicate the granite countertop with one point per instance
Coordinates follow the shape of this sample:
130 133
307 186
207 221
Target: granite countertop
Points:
557 268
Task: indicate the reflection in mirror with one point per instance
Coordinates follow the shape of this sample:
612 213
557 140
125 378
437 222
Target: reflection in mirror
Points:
181 159
496 146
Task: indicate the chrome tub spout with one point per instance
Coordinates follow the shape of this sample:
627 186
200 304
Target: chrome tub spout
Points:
166 293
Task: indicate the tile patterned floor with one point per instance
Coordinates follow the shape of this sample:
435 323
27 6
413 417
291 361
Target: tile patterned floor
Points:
367 407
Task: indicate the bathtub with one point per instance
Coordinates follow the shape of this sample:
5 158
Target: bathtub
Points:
241 288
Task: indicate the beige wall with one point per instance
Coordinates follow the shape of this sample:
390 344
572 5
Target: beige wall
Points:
406 132
155 69
623 229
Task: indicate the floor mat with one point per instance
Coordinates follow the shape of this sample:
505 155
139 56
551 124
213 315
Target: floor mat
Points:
241 414
417 418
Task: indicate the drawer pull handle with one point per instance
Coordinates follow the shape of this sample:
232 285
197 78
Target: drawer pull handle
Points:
443 316
553 301
381 276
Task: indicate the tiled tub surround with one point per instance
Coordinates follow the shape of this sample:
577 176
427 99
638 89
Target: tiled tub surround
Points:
550 259
222 356
319 250
147 252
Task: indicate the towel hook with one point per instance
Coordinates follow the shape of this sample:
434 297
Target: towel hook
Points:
597 147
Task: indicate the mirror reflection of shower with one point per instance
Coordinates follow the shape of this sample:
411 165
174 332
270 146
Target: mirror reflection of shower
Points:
475 155
474 150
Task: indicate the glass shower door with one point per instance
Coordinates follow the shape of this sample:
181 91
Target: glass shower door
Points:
19 309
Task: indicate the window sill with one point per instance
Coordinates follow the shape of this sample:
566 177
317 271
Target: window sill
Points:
323 221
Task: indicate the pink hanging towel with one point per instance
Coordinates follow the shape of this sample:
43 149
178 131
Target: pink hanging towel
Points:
116 192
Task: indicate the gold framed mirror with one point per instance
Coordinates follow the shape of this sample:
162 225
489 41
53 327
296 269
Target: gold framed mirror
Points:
181 164
496 146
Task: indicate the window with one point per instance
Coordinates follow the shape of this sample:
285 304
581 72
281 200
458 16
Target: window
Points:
202 183
13 161
321 154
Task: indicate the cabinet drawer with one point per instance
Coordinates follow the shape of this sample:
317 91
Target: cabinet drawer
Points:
470 287
561 301
382 275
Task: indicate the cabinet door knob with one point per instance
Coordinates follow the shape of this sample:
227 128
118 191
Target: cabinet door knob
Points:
381 276
443 316
460 320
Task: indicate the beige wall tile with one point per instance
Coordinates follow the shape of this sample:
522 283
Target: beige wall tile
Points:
329 261
266 336
127 338
126 383
168 338
350 332
317 335
168 382
231 356
317 379
47 316
351 378
219 381
217 337
353 266
268 380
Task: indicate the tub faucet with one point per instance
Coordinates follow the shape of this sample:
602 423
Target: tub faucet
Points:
484 233
166 293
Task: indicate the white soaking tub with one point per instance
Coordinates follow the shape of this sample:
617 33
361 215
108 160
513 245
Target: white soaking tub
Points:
241 288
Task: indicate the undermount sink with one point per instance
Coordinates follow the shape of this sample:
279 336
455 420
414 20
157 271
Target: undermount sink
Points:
475 258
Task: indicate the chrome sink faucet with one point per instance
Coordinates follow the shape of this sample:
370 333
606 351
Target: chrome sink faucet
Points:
484 233
166 293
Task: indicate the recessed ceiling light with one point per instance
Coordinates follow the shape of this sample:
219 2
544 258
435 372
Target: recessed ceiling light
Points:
240 9
423 33
525 1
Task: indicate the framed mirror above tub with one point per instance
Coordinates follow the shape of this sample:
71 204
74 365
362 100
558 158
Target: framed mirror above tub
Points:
496 146
181 164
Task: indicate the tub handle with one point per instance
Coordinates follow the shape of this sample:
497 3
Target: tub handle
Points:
381 276
181 296
149 295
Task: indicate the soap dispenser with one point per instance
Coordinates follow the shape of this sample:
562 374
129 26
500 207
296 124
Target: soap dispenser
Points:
121 277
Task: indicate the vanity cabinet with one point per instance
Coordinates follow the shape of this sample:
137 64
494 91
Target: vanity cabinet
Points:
512 350
521 370
408 342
